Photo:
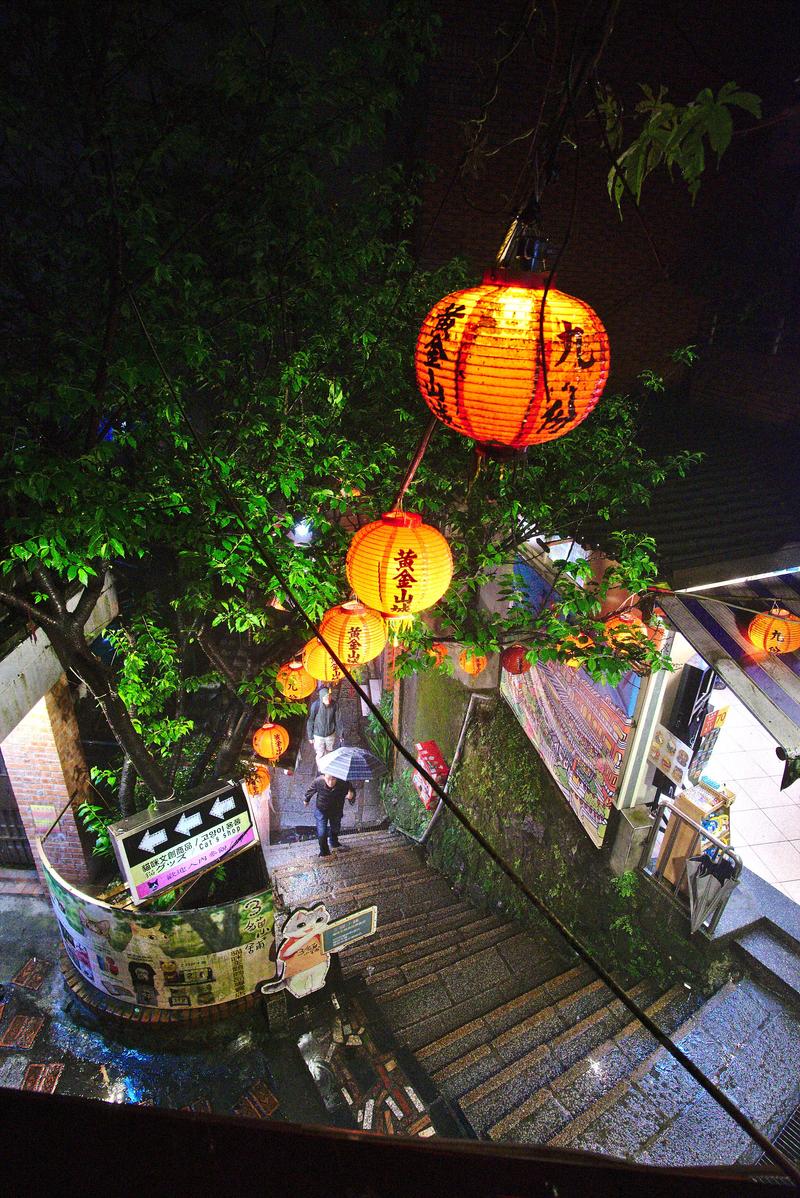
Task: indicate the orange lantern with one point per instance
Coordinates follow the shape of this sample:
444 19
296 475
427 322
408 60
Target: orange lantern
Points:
438 651
472 665
579 641
258 781
479 362
271 741
397 565
776 631
626 628
355 632
514 661
319 663
294 681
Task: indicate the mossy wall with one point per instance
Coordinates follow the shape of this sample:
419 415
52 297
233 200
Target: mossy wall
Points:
504 787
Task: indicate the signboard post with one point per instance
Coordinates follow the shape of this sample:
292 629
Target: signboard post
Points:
156 851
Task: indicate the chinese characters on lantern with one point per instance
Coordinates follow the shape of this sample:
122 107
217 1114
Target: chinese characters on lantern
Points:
354 644
555 417
435 353
404 580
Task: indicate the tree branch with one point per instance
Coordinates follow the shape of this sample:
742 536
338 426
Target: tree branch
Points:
88 600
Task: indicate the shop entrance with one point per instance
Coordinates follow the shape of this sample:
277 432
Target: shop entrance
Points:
15 851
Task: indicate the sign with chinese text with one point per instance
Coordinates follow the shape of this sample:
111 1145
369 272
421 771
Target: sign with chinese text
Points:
430 756
349 929
307 939
155 852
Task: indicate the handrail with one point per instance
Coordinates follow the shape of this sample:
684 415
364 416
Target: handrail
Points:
701 833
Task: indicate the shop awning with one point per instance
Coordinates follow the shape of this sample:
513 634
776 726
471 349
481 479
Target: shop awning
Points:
767 684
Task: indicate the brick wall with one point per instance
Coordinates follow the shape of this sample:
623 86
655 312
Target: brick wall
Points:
46 767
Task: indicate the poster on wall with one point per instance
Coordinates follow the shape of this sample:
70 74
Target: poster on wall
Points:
168 959
579 727
669 754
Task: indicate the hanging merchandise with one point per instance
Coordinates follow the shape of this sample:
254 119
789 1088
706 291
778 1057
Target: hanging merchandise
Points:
271 741
472 664
397 565
294 681
513 659
479 361
356 633
319 663
776 631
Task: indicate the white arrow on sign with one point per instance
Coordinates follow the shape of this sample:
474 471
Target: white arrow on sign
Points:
221 806
187 822
148 842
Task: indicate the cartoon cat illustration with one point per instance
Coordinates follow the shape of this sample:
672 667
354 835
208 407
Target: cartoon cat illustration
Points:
302 961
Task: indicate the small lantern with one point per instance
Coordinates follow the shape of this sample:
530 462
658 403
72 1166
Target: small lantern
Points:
397 565
479 362
473 664
271 741
776 631
514 661
319 664
294 681
438 651
356 633
625 628
259 780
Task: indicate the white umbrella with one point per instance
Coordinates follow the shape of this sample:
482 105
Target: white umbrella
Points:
351 764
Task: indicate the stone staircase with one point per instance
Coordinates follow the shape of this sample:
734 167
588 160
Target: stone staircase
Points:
513 1028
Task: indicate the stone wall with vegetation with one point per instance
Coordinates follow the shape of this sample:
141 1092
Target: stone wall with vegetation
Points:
504 787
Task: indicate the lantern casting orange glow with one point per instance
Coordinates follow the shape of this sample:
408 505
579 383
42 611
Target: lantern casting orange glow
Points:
438 651
472 665
479 362
625 627
397 565
776 631
579 641
294 681
355 632
319 663
258 782
271 741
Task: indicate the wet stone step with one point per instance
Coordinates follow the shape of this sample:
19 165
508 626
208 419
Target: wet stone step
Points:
422 954
486 1105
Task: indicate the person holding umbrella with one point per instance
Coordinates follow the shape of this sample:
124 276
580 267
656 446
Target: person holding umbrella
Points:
339 770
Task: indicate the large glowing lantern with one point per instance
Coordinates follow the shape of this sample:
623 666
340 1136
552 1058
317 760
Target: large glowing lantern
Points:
294 680
397 565
514 661
271 741
479 362
319 663
258 782
472 664
354 631
776 631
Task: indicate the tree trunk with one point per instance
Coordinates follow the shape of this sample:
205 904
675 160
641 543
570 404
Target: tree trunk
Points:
238 726
127 788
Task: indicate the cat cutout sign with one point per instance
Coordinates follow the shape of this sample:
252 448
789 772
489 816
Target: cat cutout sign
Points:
307 939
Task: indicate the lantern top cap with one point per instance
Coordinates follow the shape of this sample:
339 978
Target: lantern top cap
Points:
402 519
536 280
295 664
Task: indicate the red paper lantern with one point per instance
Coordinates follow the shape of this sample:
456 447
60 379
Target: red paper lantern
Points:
479 362
356 633
472 665
271 741
294 681
776 631
514 661
397 565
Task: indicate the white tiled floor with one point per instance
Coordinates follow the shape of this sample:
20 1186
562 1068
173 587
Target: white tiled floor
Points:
765 821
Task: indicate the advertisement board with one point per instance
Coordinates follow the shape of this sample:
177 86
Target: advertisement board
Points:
580 727
154 851
196 958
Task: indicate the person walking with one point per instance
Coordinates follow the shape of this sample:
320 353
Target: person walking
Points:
330 794
323 724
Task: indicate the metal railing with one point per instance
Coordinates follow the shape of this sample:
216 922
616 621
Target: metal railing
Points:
658 855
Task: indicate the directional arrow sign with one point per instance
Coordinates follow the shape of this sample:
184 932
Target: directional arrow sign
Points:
187 822
222 807
156 851
151 839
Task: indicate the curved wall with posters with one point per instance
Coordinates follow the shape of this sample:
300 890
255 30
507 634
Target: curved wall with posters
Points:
168 959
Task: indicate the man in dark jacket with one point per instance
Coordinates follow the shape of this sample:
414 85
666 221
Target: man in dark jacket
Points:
330 794
323 724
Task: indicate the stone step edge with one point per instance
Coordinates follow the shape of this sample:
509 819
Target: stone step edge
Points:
499 1130
786 972
519 1000
587 1117
498 1079
429 959
398 929
411 952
